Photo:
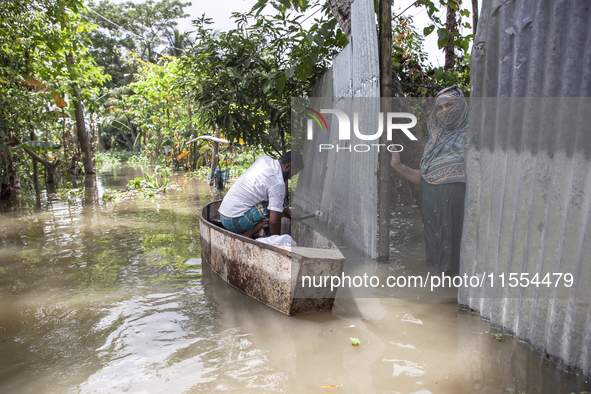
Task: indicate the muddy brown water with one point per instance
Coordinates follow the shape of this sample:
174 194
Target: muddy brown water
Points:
98 297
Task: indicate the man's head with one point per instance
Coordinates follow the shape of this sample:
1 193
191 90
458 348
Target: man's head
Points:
291 162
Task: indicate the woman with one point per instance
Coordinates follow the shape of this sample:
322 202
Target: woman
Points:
443 178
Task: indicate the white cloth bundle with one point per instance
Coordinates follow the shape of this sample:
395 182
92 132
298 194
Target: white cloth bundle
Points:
284 240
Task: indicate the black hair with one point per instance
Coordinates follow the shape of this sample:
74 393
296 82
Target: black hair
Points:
294 157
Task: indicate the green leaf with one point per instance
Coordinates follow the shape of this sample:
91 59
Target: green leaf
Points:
168 143
318 40
312 58
302 72
465 45
354 341
3 148
39 146
280 83
442 41
267 85
428 30
289 72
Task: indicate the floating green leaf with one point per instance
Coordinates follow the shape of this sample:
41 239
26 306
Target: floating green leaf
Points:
354 341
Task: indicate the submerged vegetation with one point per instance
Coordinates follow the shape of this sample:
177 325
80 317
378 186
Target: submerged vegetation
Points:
150 185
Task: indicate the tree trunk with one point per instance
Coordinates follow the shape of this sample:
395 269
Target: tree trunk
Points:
35 170
341 10
474 16
83 139
50 166
140 133
82 133
91 136
214 156
192 162
99 141
451 24
282 134
133 134
10 185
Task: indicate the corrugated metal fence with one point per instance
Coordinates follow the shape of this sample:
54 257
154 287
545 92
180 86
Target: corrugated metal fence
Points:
528 165
344 186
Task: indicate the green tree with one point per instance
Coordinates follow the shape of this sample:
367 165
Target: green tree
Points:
449 37
177 42
43 58
158 106
140 28
244 79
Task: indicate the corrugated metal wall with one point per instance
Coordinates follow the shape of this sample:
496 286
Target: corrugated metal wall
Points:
528 164
330 179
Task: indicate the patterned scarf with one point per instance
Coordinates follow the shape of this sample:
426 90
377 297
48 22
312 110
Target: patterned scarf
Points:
443 156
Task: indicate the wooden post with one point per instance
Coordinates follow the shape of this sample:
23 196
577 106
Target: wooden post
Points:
474 16
384 181
214 155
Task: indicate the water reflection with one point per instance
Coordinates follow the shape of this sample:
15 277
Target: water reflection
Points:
99 297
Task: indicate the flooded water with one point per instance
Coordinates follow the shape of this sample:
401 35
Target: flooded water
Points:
100 297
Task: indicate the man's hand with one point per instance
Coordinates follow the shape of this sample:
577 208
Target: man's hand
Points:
258 227
286 213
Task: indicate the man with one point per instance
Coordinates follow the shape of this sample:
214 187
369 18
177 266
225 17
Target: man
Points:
259 190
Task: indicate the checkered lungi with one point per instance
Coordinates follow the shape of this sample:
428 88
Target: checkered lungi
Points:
245 222
250 219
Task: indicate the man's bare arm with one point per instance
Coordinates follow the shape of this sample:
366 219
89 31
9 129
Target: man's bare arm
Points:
275 222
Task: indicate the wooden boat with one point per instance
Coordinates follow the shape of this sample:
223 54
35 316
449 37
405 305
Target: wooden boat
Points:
273 274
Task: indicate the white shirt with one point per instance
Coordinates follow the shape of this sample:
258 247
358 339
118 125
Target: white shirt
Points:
263 181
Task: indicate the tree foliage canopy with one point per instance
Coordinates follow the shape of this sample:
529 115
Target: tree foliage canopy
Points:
146 86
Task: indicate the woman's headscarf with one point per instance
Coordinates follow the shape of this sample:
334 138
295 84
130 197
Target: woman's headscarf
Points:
443 156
